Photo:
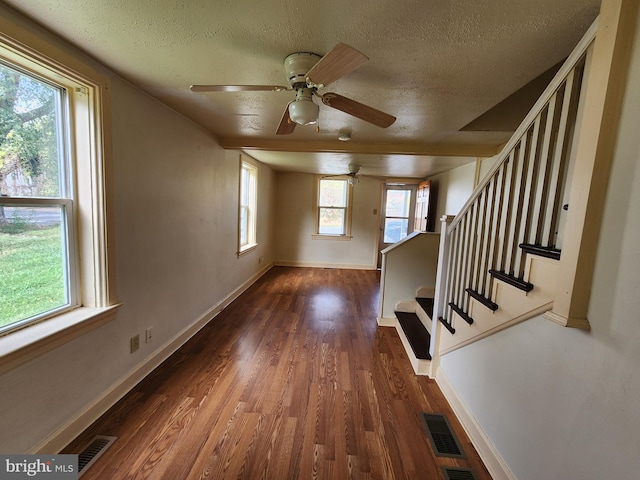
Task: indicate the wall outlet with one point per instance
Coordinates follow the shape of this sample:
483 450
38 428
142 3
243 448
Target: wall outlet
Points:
260 259
135 343
148 335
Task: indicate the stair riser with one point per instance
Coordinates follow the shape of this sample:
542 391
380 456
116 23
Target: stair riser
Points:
420 367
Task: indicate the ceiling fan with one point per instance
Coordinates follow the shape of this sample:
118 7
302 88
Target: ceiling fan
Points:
307 73
353 174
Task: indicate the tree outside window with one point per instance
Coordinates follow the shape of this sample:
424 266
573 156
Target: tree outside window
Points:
333 205
35 202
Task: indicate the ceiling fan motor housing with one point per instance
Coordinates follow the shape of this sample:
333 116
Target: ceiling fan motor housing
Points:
297 65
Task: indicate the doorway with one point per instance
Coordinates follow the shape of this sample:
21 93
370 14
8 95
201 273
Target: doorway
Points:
397 219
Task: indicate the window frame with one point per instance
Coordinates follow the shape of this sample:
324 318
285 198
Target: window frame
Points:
412 189
348 208
64 200
251 206
88 141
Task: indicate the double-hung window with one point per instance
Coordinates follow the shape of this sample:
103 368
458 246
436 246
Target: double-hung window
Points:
37 233
248 206
54 269
333 207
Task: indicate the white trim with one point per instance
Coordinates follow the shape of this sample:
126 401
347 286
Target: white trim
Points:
20 346
252 205
497 467
348 209
386 322
326 236
348 266
62 436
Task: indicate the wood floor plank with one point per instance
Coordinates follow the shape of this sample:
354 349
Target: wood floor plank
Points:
293 380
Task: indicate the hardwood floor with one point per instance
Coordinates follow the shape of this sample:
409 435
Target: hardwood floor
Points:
294 380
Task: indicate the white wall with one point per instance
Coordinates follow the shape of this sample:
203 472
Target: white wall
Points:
407 266
454 189
563 403
295 220
175 205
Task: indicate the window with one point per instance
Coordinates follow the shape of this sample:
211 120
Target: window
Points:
37 247
333 207
54 270
398 207
248 207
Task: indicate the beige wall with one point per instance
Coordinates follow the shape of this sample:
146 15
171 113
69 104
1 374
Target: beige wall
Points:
454 189
295 220
175 194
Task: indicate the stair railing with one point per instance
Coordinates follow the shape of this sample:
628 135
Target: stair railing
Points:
519 202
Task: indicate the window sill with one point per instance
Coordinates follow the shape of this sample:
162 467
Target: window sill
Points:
247 249
23 345
318 236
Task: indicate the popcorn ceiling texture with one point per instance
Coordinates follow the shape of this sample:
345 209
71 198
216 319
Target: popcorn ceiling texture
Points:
434 64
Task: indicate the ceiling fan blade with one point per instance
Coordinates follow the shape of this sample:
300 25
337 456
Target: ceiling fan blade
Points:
286 126
340 60
357 109
238 88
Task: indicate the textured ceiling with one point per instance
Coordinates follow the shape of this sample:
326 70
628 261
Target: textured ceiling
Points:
436 65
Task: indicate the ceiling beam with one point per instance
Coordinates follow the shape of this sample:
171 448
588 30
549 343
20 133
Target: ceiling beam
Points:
436 150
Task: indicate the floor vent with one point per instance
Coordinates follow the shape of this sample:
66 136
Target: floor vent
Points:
443 441
92 452
451 473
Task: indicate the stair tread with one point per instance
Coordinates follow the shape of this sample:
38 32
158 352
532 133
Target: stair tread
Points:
548 252
426 304
519 283
482 299
418 336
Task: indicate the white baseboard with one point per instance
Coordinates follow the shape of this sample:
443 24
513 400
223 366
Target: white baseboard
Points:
67 432
348 266
387 322
488 453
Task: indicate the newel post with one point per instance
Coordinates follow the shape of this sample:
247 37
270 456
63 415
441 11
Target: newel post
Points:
441 283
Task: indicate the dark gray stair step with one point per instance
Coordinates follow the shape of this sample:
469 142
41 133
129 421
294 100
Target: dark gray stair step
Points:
511 280
482 299
418 336
547 252
427 305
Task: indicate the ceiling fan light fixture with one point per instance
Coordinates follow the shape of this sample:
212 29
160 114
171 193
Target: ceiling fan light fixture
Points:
303 110
344 135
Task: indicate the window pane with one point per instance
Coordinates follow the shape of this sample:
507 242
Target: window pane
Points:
243 226
30 136
248 206
398 203
32 262
395 229
331 221
333 193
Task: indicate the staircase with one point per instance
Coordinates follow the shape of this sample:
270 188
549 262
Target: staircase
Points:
500 254
499 258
